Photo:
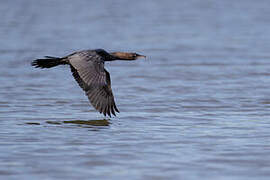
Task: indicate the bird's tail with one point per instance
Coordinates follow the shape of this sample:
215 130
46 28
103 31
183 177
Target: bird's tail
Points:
48 62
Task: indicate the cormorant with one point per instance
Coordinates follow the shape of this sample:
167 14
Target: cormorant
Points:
87 68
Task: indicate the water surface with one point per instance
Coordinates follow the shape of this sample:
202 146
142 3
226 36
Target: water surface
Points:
197 107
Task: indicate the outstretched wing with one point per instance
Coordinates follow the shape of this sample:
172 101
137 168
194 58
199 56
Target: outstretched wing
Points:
92 77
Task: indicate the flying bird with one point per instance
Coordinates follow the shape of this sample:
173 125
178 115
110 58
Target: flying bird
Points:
88 70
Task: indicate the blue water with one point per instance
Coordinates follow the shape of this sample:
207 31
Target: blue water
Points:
196 108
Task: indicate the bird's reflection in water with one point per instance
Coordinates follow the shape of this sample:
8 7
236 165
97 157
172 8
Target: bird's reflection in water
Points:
83 123
103 122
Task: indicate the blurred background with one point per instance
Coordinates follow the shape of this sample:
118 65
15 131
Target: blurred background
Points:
198 106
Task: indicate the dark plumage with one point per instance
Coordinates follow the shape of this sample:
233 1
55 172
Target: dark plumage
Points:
87 68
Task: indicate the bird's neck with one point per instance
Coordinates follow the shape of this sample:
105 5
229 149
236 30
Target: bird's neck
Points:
122 56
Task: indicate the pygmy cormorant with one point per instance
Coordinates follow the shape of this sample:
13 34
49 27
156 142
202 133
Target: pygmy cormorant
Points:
87 67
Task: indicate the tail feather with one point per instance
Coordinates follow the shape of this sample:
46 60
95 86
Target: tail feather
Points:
48 62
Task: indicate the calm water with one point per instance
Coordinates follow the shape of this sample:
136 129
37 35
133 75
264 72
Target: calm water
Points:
197 107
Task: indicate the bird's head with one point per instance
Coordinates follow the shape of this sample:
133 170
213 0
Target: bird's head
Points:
126 56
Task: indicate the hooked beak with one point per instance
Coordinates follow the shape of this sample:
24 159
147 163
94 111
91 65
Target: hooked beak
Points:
140 56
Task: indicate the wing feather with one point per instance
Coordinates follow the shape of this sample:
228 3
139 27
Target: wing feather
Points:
92 77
